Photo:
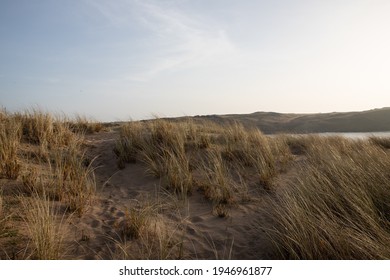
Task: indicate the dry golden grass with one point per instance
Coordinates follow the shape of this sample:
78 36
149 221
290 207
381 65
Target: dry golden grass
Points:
67 176
2 216
129 143
178 176
327 197
45 231
82 125
158 241
383 142
252 148
160 145
219 186
339 205
143 234
52 165
74 182
137 219
10 133
167 149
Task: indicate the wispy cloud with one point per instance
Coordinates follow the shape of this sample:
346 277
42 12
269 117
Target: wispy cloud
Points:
185 40
174 39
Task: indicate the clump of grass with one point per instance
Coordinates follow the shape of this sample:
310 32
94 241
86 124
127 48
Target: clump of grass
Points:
219 186
166 135
32 181
281 152
160 241
63 135
45 130
68 178
221 210
74 182
338 208
83 125
45 231
10 133
195 135
262 157
252 148
37 126
163 242
178 176
162 149
172 167
148 143
135 222
298 144
144 234
5 216
203 141
383 142
235 133
129 143
2 216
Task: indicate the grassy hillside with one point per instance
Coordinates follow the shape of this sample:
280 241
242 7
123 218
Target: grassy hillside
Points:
270 122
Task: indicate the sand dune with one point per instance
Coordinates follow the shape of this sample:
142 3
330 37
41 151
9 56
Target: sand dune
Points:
188 190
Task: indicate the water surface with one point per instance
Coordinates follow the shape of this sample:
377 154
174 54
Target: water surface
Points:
357 135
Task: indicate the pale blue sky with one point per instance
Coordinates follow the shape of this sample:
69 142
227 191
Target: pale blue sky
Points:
121 59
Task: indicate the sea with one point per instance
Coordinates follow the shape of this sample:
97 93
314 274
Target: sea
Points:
350 135
357 135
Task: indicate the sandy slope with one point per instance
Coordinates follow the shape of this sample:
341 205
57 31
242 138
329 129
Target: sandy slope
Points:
205 235
188 229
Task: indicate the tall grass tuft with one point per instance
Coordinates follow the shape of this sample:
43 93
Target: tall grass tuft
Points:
166 135
69 177
74 182
10 133
2 216
252 148
160 145
82 125
178 176
263 157
383 142
45 231
339 206
219 186
37 126
137 219
129 143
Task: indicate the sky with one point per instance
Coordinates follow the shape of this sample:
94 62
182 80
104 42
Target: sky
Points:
130 59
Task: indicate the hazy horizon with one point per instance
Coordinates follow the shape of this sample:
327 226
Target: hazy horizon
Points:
116 60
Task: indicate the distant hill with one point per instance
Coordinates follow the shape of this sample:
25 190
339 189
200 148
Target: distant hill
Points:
269 122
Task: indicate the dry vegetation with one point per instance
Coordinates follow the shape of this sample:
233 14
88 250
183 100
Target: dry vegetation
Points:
338 205
311 197
44 161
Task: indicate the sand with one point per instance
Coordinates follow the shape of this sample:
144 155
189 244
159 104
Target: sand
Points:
204 234
176 229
